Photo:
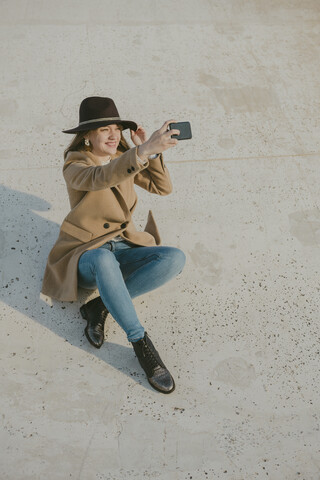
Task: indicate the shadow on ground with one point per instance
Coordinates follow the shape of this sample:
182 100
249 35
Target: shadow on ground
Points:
27 238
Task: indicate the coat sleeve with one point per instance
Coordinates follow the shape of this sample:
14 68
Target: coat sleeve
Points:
81 174
155 178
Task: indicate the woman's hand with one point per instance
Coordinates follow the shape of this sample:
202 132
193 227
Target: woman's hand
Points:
159 141
139 136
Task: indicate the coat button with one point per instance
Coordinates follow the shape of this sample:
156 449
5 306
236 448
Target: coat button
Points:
129 170
106 225
123 225
133 169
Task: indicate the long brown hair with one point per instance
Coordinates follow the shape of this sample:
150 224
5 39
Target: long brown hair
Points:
78 144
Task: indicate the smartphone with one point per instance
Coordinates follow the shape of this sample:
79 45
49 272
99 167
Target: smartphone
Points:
185 130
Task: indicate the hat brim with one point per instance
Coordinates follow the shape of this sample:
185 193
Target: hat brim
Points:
93 125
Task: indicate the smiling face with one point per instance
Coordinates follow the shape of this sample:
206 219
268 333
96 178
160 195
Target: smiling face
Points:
105 140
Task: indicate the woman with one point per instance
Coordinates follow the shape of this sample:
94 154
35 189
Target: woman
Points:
98 245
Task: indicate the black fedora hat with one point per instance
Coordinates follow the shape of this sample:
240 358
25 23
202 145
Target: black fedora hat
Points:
95 112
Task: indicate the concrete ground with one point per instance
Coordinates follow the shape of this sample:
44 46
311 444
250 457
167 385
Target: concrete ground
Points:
239 328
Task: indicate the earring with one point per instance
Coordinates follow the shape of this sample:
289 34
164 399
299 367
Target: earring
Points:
87 142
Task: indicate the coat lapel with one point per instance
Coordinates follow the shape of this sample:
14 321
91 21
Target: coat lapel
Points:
116 190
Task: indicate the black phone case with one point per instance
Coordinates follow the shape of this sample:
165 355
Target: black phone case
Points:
185 130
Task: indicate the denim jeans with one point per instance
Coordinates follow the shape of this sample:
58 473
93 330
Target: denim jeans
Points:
122 271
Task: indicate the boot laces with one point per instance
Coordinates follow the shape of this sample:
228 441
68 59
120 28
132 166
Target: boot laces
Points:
150 356
103 316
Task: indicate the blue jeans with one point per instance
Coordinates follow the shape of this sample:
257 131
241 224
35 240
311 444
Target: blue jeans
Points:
122 271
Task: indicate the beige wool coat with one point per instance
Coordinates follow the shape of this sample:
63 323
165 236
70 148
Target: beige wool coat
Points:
102 200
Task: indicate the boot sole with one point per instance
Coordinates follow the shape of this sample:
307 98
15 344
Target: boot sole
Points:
84 316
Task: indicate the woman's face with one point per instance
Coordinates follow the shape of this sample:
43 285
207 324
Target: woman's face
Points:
105 140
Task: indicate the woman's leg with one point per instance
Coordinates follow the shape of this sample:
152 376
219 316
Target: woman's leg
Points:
144 268
147 268
100 268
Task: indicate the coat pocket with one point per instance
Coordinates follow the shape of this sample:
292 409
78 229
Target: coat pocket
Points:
76 232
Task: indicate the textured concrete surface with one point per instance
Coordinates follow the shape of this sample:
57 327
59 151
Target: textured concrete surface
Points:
239 328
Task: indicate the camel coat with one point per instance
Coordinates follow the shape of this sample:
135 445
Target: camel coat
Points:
102 199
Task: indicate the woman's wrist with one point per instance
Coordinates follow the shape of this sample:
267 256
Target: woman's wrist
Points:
142 151
141 154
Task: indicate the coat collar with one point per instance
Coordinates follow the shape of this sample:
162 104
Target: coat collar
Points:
97 160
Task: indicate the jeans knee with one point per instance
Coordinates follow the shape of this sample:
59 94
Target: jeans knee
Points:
104 259
182 259
177 259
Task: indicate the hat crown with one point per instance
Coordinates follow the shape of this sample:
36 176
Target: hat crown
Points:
92 108
95 112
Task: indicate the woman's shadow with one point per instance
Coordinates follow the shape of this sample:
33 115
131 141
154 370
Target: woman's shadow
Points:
23 257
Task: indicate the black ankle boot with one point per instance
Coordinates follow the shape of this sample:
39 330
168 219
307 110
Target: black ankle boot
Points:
158 375
95 313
